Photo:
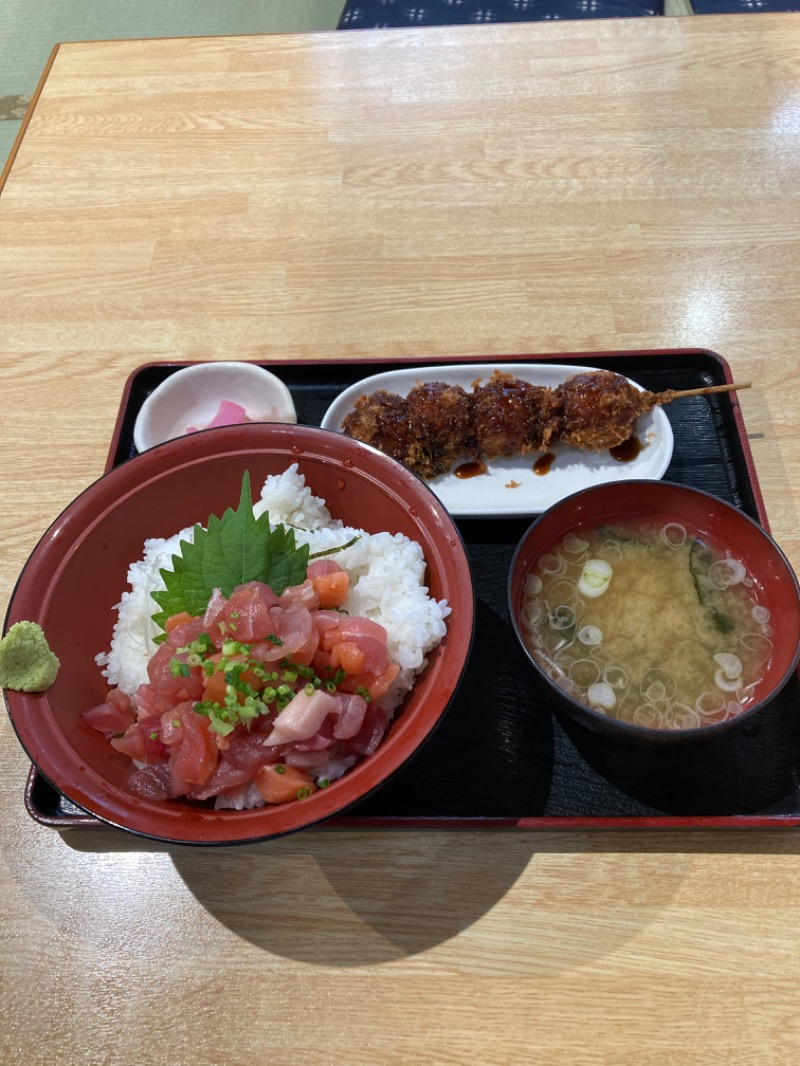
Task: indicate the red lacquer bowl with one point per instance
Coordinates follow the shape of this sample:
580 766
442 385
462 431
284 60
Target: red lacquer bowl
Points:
712 520
77 572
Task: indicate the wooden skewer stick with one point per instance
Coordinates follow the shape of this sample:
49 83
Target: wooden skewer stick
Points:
673 395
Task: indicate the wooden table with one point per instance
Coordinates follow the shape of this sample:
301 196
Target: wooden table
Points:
499 189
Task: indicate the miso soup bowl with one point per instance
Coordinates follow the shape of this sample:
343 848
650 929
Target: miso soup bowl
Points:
722 526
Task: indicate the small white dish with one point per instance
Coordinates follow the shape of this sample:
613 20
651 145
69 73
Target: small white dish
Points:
511 486
191 397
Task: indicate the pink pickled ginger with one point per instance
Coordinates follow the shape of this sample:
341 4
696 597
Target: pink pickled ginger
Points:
228 414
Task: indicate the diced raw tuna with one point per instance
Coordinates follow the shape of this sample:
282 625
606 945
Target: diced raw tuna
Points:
246 614
372 730
164 682
351 718
110 717
307 760
195 756
304 594
151 782
318 734
322 567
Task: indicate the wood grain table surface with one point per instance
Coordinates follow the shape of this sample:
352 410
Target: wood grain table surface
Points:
546 187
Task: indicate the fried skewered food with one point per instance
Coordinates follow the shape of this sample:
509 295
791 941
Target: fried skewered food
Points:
440 428
599 410
437 424
512 416
381 419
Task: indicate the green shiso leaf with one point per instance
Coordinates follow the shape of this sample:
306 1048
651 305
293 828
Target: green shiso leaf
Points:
231 551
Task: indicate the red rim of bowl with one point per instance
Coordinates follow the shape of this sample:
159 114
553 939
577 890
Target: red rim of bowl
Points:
518 571
36 725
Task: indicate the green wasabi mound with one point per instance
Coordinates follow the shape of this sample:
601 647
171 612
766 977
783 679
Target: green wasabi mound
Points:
26 662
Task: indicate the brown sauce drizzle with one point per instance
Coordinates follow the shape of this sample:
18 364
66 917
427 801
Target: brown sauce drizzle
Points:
627 451
543 464
474 468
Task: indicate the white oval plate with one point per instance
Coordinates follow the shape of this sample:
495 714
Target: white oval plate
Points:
511 487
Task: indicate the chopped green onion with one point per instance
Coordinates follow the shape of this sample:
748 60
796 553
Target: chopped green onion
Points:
329 686
304 792
202 644
594 578
232 647
309 690
176 722
280 768
248 710
323 782
274 640
154 736
363 693
219 726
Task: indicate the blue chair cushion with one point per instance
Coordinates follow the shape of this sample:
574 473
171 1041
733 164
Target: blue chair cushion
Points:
380 14
737 7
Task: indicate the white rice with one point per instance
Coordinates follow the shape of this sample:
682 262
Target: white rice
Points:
386 573
132 643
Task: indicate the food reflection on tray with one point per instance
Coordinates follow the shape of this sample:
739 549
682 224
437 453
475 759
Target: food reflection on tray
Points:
491 442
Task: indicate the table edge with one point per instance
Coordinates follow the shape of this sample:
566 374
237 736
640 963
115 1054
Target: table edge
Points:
12 155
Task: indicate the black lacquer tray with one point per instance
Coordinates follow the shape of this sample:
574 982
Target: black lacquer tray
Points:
502 757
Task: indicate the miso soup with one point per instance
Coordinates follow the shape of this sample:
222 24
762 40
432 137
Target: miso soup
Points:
647 624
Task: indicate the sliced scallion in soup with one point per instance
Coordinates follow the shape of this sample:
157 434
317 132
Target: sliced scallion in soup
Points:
647 624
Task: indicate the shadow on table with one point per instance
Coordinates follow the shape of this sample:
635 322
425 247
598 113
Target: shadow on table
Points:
350 898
